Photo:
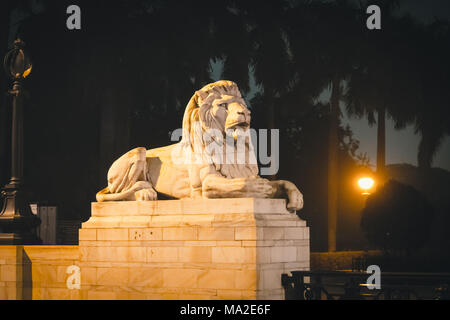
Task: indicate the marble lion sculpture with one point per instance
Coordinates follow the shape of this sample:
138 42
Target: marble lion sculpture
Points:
141 174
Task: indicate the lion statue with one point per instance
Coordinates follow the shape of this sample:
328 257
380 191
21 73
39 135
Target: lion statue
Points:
201 165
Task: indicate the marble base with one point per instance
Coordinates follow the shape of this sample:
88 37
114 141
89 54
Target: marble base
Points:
191 249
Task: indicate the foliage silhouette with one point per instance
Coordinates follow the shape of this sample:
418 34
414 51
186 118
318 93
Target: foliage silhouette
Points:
397 218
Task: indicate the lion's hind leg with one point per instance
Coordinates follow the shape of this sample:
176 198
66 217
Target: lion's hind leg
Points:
140 191
128 179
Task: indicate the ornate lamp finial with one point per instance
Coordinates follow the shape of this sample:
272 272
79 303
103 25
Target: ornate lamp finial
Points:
17 63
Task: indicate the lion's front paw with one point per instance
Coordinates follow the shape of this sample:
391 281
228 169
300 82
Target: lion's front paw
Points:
146 195
295 201
295 197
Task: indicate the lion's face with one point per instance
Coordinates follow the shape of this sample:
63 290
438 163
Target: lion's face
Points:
223 109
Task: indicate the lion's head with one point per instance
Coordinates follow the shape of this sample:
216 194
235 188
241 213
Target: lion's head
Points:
218 108
218 105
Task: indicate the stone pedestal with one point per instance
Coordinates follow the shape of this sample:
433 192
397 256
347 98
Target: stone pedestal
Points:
191 249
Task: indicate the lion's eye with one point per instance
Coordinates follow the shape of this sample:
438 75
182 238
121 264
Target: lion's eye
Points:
223 105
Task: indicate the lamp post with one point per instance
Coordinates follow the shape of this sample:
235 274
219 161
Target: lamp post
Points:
366 185
17 223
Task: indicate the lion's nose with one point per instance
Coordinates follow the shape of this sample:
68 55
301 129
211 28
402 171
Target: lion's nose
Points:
245 113
241 110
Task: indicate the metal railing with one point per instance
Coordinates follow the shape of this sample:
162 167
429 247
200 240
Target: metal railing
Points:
351 285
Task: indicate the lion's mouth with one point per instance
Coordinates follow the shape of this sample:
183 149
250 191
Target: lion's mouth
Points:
238 125
237 128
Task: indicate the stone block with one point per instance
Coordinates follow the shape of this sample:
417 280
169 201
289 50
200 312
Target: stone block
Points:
136 254
162 254
306 233
44 274
249 243
216 233
187 233
273 233
118 254
195 254
233 255
234 220
296 233
197 220
181 278
217 279
303 253
112 234
88 275
135 222
283 254
56 294
247 233
8 273
145 277
61 273
112 276
271 279
263 254
145 234
87 234
245 279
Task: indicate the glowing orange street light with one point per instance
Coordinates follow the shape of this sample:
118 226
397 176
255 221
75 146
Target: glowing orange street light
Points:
366 184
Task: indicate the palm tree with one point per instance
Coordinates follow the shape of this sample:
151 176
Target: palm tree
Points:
336 31
433 115
319 35
270 59
385 82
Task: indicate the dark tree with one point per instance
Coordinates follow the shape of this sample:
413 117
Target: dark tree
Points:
397 218
433 115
